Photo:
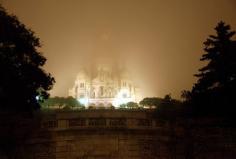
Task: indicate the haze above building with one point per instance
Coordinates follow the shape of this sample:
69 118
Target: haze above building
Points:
160 41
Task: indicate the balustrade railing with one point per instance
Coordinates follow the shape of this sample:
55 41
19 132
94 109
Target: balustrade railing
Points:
99 122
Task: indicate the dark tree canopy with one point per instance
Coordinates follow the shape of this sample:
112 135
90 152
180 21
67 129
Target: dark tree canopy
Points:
22 77
168 108
61 102
153 101
132 105
215 90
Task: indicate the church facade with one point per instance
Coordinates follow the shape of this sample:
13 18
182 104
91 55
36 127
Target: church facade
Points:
104 86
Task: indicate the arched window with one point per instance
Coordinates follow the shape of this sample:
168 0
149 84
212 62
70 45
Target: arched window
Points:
101 90
130 87
76 90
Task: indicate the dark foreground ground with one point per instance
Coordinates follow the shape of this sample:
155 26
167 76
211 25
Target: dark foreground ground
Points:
118 134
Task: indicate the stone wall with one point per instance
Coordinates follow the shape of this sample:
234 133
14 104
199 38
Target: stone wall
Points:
124 134
96 134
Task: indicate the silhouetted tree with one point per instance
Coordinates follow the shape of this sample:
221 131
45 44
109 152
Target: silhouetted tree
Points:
154 101
61 102
167 98
23 83
123 106
132 105
72 102
168 108
58 101
215 90
22 77
186 95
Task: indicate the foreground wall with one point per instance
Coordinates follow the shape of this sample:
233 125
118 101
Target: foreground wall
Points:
117 134
97 134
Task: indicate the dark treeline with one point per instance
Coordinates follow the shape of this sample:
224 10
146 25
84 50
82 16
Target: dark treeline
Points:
214 93
165 108
61 103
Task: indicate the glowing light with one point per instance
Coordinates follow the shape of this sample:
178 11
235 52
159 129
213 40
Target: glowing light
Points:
37 98
122 97
83 101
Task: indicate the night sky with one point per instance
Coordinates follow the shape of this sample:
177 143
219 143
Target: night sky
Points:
159 41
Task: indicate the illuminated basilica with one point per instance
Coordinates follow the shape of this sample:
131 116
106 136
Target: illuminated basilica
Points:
104 86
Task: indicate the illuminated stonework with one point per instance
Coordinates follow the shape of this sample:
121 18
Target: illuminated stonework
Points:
104 87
